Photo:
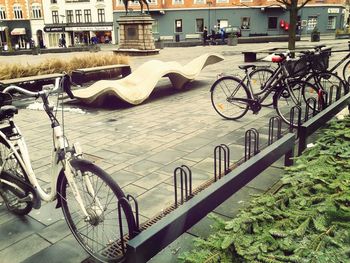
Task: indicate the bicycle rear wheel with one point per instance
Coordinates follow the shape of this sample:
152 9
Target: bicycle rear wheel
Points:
11 167
258 78
293 95
224 93
99 232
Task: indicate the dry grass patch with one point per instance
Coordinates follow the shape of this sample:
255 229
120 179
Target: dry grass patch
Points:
11 71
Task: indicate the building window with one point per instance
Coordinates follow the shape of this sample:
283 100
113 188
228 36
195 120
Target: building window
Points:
222 1
152 2
245 1
69 15
245 23
199 25
272 22
155 26
222 23
2 13
332 20
199 1
101 15
36 11
178 25
311 22
17 10
78 16
53 1
87 16
55 17
178 2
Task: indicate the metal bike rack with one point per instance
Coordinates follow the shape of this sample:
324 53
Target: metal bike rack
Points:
221 151
185 174
142 247
275 124
251 143
310 101
309 127
295 111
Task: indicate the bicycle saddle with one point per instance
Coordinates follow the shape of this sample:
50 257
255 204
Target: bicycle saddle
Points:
7 111
246 66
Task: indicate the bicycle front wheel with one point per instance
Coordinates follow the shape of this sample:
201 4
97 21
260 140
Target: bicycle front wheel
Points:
99 232
225 95
346 72
331 83
298 95
258 79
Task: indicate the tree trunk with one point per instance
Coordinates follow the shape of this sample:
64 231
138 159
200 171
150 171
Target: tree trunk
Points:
293 14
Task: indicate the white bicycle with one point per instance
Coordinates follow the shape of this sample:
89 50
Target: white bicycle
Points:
89 197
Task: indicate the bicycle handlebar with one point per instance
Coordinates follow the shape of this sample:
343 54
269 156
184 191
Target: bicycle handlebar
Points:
63 82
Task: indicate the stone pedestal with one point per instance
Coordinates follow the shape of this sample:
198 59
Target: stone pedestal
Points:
136 36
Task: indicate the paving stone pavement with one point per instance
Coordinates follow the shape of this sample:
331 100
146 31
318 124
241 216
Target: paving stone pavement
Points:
139 146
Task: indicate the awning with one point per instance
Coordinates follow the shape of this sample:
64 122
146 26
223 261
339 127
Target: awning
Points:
18 31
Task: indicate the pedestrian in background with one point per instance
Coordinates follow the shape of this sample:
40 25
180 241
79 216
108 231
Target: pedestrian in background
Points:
205 36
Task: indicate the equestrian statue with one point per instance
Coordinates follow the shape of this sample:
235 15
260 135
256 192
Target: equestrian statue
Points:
141 4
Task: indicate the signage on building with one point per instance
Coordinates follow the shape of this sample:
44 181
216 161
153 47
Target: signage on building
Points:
89 28
333 10
54 29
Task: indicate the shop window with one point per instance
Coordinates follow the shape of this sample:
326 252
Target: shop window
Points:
245 23
199 25
101 15
70 16
55 17
178 25
311 22
36 11
17 10
155 26
178 2
272 22
332 20
2 13
87 16
78 16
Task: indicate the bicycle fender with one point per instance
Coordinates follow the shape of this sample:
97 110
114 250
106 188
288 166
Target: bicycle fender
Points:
61 176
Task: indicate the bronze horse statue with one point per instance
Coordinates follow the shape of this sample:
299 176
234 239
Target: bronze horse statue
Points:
126 2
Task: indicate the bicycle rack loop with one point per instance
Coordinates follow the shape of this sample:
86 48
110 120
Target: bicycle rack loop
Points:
272 136
220 151
310 101
185 174
293 111
251 137
137 215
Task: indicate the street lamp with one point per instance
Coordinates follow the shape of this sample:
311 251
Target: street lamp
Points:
209 4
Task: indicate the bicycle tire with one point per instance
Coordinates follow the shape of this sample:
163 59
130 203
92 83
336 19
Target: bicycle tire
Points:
12 166
258 78
222 90
302 91
329 82
99 249
346 72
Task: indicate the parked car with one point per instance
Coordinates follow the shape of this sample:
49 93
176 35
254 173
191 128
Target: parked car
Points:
215 37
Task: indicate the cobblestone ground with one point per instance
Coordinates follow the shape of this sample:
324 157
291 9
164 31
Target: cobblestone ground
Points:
139 146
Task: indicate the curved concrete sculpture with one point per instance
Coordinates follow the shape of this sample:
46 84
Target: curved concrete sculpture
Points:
137 86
